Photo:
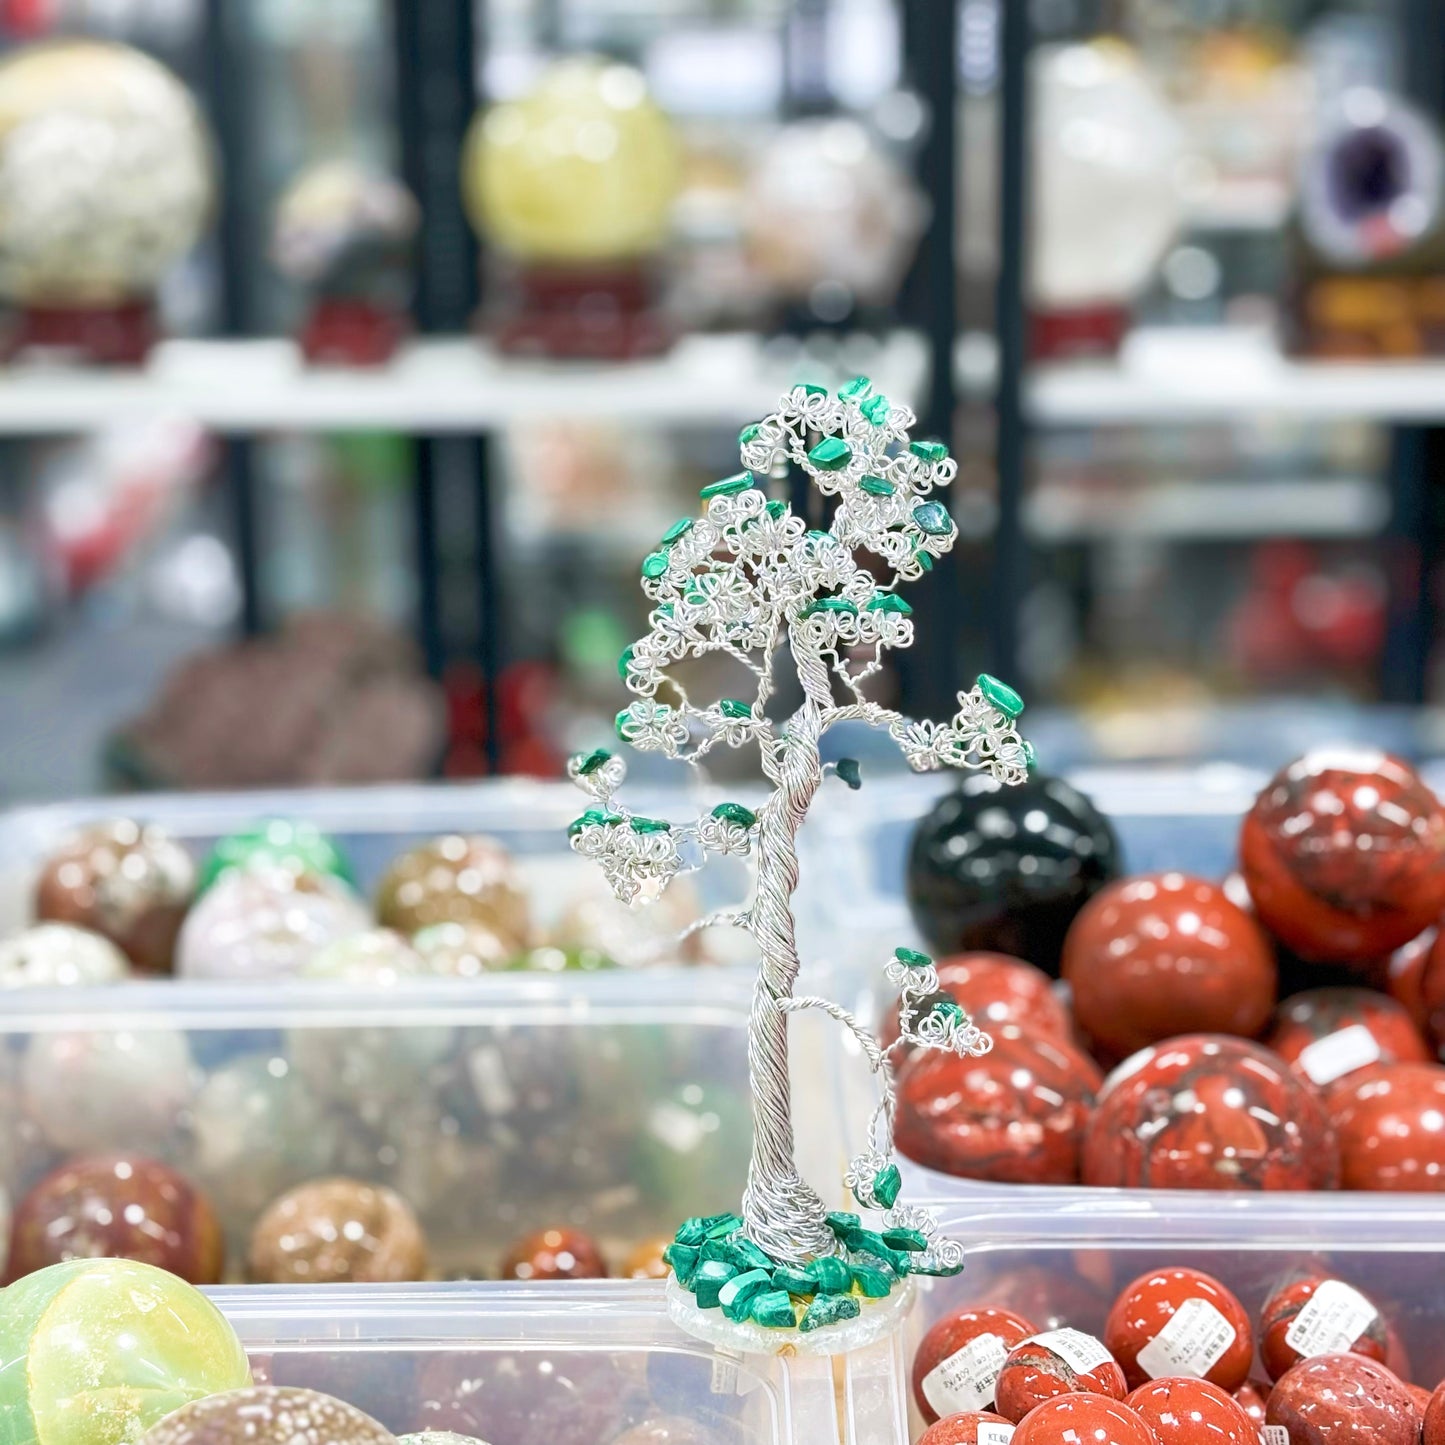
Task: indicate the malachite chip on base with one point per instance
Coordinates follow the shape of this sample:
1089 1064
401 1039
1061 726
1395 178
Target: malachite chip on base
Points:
832 1275
828 1309
774 1308
96 1351
840 1221
1000 695
737 1294
795 1280
709 1280
873 1283
831 454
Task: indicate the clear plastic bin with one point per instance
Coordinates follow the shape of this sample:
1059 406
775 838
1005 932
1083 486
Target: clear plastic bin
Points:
1066 1264
549 1364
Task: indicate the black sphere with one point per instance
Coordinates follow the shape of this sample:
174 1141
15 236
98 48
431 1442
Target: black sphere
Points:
1006 868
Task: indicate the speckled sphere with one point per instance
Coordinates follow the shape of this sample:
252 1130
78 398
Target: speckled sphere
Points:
130 883
1344 855
335 1231
1164 954
121 1207
554 1254
1343 1400
646 1261
462 950
59 955
1390 1121
1183 1411
1017 1115
1007 868
1072 1419
261 923
1340 1321
455 879
1058 1362
994 989
269 1415
96 1351
287 844
965 1429
955 1368
1180 1321
1208 1112
91 1092
1326 1033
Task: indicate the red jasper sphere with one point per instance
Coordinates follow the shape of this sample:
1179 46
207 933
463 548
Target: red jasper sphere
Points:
962 1429
1180 1321
1434 1432
1208 1112
995 989
1390 1121
1059 1362
1183 1411
1016 1115
1083 1420
1251 1397
554 1254
1343 1400
1344 855
958 1360
1323 1317
1326 1033
1165 954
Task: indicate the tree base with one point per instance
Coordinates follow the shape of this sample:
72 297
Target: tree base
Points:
877 1319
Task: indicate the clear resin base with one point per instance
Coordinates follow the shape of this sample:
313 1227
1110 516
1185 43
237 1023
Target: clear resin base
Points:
878 1318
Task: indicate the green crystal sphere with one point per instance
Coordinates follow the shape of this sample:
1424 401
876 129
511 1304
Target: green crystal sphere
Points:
283 843
96 1351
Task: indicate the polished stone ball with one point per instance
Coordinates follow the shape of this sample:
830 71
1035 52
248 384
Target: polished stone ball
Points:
1007 868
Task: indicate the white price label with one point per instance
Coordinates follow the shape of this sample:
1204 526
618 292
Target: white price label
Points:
1339 1053
1190 1344
489 1079
1332 1319
1276 1435
994 1432
967 1379
1080 1352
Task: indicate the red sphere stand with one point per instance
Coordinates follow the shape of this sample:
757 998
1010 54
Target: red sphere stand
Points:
580 313
342 331
1075 332
119 335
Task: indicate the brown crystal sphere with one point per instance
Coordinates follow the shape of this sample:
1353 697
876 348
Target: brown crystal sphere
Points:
455 879
995 989
1390 1122
117 1206
962 1429
646 1261
1343 1400
1326 1033
1183 1411
1076 1419
1049 1365
268 1415
1344 855
554 1254
1208 1112
336 1231
1165 954
980 1334
1251 1398
128 882
1343 1321
1016 1115
1180 1321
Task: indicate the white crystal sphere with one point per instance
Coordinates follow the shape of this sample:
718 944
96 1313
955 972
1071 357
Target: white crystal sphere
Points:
106 173
59 955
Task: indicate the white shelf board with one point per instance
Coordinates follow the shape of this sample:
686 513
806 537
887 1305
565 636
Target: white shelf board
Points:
438 386
1219 374
1222 510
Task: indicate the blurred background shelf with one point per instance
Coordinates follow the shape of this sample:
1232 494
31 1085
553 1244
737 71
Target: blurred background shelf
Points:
444 385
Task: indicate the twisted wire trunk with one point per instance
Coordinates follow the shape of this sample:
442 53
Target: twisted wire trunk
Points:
782 1213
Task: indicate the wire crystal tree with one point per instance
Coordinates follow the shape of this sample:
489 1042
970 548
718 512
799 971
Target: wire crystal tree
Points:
750 580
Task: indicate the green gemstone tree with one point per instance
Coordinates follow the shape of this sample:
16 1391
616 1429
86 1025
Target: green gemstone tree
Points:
748 579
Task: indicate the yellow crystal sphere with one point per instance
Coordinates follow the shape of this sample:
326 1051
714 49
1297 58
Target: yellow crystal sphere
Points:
106 173
583 169
95 1351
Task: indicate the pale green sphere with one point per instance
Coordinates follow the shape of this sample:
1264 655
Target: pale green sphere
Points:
95 1351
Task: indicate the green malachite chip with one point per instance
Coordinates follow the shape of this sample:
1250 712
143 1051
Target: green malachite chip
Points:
876 409
855 390
654 565
932 518
749 433
774 1309
886 1184
831 454
776 509
911 958
626 656
809 388
595 759
889 602
650 825
735 813
728 487
928 451
877 486
735 707
1001 695
1030 757
828 1309
677 531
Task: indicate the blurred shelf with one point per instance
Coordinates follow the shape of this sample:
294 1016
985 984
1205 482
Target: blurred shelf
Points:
445 385
1215 375
1211 511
